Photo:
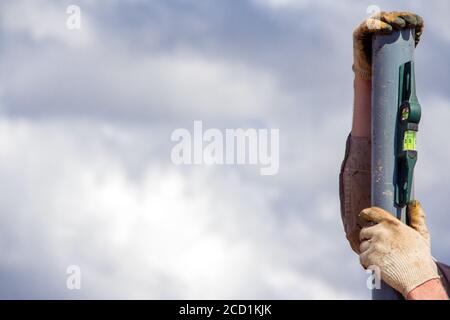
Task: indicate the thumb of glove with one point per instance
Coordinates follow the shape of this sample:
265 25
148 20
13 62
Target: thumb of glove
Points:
417 219
377 215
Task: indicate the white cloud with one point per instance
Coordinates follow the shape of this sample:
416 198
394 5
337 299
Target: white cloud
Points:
201 85
172 233
175 85
284 3
43 20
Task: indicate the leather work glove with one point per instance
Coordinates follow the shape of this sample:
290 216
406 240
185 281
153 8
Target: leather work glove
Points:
379 23
401 252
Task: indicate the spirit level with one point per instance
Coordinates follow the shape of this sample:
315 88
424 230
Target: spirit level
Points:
409 112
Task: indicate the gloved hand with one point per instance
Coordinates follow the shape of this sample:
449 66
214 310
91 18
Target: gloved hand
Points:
401 252
383 22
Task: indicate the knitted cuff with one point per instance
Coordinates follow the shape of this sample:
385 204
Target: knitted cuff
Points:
410 278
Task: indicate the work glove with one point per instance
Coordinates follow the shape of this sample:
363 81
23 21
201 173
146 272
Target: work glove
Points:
401 252
379 23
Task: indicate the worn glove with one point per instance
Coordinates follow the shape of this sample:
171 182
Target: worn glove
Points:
380 23
401 252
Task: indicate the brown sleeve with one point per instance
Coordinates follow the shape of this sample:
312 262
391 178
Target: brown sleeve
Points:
355 186
444 272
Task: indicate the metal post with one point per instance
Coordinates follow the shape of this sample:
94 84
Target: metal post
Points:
389 53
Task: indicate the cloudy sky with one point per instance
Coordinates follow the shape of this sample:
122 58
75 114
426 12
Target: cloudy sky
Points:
85 123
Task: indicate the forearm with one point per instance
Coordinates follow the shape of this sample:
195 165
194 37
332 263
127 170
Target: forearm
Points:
362 106
354 179
430 290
